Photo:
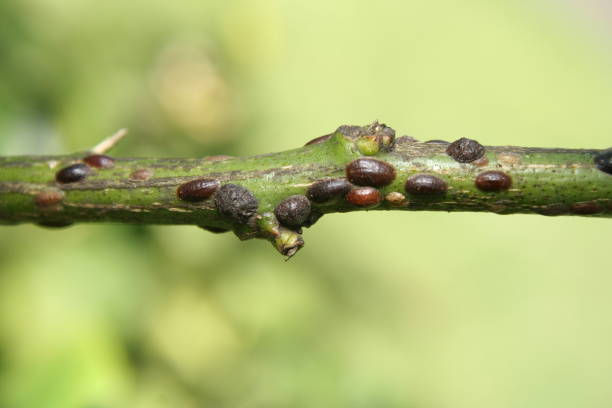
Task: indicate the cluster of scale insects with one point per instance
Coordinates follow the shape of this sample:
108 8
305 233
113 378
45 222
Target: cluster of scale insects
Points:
71 174
360 186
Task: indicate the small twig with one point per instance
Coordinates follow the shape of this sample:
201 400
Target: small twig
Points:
110 142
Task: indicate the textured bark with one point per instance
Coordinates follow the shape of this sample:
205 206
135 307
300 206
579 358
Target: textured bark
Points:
144 190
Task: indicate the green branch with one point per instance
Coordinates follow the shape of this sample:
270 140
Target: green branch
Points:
273 196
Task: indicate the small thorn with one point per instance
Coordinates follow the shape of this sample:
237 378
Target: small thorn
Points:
110 142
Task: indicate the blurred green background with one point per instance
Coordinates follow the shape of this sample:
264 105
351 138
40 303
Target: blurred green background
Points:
379 309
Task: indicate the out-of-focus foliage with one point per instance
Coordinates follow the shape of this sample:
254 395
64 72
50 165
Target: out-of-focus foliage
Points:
379 310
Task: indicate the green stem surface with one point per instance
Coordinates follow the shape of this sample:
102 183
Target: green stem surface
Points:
544 181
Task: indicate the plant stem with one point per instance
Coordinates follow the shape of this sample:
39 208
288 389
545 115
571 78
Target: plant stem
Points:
144 190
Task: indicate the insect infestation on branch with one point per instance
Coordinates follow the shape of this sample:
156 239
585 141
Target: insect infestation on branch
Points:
274 196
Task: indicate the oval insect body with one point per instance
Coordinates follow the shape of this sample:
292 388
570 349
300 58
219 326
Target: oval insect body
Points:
324 190
493 181
425 184
366 171
293 211
364 196
197 190
73 173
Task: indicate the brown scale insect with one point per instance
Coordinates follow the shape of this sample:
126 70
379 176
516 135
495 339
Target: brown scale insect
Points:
319 139
236 202
141 175
197 190
46 199
437 141
73 173
465 150
99 161
293 211
603 161
586 208
324 190
425 184
493 181
364 196
370 172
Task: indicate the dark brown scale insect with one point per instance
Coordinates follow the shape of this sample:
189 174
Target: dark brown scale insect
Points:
324 190
48 198
319 139
364 196
586 208
293 211
425 184
99 161
141 175
197 190
370 172
465 150
73 173
236 202
437 141
603 161
493 181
